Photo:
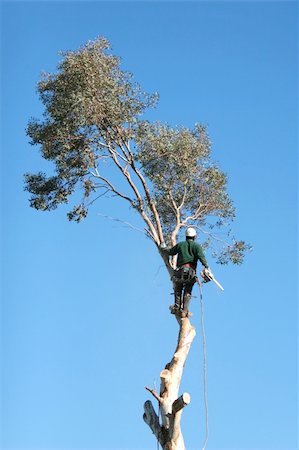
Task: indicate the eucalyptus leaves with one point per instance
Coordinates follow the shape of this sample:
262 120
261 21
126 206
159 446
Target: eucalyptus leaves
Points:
93 114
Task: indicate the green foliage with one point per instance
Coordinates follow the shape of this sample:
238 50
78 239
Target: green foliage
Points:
234 253
48 192
93 114
177 162
84 102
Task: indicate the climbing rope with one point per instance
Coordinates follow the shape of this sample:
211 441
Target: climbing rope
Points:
204 365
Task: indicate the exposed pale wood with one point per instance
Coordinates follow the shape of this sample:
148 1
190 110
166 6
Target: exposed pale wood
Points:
180 402
170 404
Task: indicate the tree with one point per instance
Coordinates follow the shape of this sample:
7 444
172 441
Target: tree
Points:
93 114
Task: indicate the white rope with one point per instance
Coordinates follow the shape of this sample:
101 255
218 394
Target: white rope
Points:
204 366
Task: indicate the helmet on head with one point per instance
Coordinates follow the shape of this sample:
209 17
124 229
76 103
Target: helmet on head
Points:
190 232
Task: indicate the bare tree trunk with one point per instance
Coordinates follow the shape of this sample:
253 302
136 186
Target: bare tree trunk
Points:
168 432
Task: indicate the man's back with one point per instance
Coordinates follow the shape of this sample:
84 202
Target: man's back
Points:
188 251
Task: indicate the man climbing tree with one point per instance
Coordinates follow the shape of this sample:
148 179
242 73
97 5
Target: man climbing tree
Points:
93 115
188 253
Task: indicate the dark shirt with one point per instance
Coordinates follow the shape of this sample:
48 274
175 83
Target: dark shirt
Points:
188 251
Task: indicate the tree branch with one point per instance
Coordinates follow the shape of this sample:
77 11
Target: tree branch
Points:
110 186
152 420
213 236
178 221
184 195
128 224
154 393
180 402
138 196
147 192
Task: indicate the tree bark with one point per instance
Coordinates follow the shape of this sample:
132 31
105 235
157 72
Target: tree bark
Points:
168 432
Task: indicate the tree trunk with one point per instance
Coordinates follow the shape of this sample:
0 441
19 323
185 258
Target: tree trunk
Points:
168 432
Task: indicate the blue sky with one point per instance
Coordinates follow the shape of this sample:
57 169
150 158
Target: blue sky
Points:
85 321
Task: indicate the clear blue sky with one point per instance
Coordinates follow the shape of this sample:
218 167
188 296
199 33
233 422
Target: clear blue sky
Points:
85 321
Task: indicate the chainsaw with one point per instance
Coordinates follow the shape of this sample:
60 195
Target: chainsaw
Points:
207 276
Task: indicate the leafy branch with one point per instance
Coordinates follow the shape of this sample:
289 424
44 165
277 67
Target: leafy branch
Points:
93 115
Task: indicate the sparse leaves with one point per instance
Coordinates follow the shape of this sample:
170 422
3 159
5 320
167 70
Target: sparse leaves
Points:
78 213
234 253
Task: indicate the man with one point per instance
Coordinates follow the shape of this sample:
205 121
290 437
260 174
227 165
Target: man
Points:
188 253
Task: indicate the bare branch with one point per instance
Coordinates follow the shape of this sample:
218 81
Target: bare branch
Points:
198 213
128 224
213 236
154 393
147 192
96 198
184 195
178 221
110 186
128 158
138 196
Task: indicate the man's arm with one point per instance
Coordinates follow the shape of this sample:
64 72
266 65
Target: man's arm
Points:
174 250
170 251
201 256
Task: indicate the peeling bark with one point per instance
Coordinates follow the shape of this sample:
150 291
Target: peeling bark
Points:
170 404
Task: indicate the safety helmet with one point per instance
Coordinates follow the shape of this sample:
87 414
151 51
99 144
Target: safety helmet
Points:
190 232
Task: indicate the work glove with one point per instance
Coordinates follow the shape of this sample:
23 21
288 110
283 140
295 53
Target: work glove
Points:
208 272
206 275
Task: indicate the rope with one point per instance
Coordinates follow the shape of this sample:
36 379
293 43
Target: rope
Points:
204 365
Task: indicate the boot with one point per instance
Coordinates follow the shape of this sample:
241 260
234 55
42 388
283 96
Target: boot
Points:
177 307
174 309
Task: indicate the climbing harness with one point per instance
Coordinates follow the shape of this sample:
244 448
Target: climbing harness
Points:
204 365
184 274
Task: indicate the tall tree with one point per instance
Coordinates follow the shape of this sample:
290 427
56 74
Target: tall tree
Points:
93 114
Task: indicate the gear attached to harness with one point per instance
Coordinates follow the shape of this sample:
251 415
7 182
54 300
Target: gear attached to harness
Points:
185 274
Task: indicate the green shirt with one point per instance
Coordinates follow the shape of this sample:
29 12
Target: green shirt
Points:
188 251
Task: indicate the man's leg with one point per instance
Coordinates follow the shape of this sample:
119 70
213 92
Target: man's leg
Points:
178 288
187 296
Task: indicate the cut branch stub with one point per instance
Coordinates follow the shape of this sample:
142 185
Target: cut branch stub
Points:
181 402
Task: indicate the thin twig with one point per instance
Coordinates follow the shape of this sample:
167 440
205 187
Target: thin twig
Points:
128 224
110 186
98 196
154 393
211 235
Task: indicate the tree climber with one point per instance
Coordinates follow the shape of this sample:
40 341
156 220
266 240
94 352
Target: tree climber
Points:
189 252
